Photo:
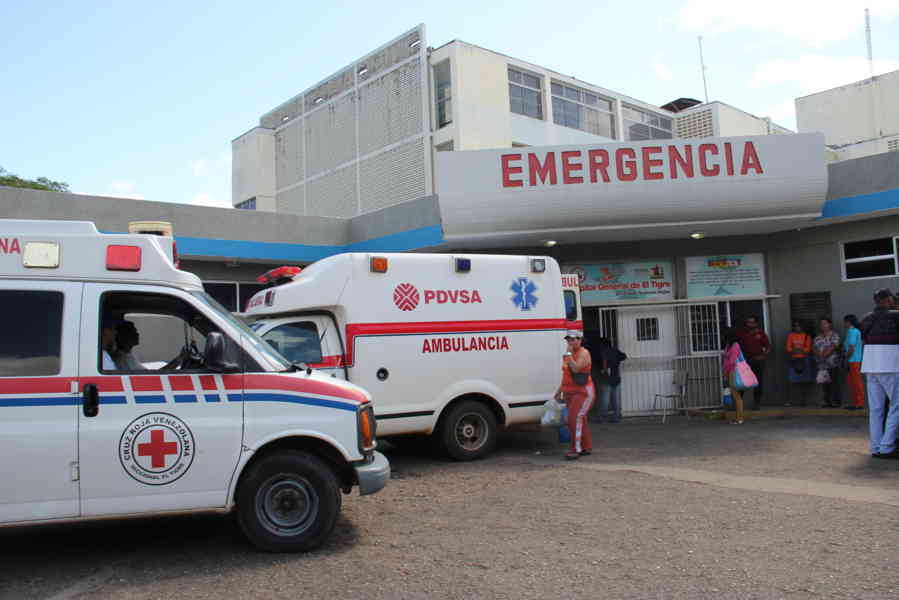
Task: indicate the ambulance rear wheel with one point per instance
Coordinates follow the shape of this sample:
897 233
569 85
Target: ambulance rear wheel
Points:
468 431
288 502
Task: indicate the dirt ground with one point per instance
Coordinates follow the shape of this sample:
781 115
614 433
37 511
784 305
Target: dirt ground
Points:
682 510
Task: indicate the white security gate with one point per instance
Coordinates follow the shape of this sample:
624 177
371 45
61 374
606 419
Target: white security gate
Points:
660 340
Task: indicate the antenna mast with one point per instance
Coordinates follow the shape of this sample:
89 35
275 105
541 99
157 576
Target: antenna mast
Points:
868 40
705 86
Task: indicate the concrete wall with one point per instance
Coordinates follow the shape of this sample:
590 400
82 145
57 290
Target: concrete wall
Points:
863 149
862 110
253 168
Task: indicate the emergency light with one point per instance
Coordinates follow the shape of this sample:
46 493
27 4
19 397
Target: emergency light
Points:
378 264
538 265
122 258
279 275
463 265
43 255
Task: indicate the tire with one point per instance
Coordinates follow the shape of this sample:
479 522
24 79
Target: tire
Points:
468 431
288 502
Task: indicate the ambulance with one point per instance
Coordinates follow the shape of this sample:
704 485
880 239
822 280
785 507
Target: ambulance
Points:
125 390
449 346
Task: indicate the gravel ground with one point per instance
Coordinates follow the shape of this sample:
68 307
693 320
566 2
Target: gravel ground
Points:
524 524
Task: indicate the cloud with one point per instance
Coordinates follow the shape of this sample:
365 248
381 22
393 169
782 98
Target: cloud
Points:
200 167
661 70
125 189
815 22
205 199
817 72
783 113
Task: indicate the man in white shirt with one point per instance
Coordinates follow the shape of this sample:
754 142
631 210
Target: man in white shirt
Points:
127 337
880 363
107 343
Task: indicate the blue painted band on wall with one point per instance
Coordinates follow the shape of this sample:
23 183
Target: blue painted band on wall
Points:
855 205
275 251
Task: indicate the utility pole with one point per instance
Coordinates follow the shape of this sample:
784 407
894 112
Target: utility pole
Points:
705 86
868 40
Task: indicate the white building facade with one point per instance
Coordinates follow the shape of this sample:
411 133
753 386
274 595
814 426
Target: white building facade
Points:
366 137
857 120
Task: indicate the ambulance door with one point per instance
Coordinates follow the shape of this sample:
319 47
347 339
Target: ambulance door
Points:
157 430
38 400
307 339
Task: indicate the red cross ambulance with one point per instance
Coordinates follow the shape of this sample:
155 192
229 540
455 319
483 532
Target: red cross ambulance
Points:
453 346
125 390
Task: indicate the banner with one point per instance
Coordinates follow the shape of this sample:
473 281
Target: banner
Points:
725 275
613 283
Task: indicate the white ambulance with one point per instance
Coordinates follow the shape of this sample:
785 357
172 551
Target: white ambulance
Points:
454 346
126 391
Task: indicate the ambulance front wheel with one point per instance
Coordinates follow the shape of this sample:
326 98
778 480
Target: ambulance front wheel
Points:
468 431
288 502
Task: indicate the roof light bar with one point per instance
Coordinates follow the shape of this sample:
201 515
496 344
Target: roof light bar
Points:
279 275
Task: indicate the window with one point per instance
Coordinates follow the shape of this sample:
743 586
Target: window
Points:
152 332
249 204
704 326
869 258
525 94
298 342
32 333
642 125
580 109
231 295
443 94
570 305
647 329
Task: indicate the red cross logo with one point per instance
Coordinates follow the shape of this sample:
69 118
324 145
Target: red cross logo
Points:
157 448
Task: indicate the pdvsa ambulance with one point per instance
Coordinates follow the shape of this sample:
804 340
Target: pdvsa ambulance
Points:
125 390
454 346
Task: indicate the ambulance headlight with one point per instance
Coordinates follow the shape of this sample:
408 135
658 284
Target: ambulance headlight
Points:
538 265
367 428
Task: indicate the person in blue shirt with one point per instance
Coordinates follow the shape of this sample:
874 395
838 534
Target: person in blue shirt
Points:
852 350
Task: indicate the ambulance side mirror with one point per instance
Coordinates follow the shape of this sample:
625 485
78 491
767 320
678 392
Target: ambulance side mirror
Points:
215 354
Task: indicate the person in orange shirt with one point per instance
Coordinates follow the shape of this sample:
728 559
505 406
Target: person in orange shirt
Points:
799 349
577 391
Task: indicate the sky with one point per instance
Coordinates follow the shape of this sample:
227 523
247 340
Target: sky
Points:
142 100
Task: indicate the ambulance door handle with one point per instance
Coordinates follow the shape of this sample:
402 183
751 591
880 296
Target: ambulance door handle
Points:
90 400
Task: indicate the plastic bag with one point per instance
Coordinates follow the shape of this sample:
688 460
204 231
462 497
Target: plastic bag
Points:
727 399
552 413
564 433
823 376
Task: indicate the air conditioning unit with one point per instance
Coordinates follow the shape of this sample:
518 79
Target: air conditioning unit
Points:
151 227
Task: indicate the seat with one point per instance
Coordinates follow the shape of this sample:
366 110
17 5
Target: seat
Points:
677 400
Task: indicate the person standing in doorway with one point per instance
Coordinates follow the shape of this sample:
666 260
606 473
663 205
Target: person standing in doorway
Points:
609 381
852 350
756 347
730 356
880 364
801 371
827 356
577 392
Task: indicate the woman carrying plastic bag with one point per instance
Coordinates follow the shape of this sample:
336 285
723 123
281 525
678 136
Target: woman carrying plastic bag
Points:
737 372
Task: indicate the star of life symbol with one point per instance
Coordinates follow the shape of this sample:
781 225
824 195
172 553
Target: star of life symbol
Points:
156 449
524 297
406 296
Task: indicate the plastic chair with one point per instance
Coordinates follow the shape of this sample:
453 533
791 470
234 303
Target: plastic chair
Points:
677 399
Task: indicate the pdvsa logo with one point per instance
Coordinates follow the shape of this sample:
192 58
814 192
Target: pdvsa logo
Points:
156 449
407 297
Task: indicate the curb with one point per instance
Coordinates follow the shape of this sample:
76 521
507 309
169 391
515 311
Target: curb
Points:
781 413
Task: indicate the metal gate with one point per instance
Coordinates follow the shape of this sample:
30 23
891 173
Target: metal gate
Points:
661 340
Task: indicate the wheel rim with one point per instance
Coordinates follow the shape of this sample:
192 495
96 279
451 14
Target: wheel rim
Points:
287 504
471 431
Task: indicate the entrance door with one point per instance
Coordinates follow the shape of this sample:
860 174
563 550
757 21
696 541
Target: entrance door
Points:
648 335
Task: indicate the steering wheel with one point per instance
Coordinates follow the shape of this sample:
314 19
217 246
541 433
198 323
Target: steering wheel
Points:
188 358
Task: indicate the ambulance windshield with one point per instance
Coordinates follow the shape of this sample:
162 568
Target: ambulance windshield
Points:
278 362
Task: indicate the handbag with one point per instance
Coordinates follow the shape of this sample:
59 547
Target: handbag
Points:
727 399
564 432
579 378
744 378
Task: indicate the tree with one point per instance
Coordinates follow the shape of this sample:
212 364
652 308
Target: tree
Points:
41 183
